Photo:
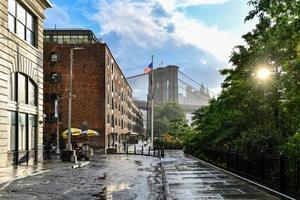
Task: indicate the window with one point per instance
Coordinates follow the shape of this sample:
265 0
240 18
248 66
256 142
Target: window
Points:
67 39
31 93
12 87
53 97
21 22
86 39
47 38
60 39
80 39
26 89
74 39
54 77
32 131
112 121
108 119
27 127
22 131
54 38
12 122
54 57
21 88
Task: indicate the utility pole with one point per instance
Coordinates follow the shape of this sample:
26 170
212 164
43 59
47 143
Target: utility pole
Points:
152 104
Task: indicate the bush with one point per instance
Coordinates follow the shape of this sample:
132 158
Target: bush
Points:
292 146
168 144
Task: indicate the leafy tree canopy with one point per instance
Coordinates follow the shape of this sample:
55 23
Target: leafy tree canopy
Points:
251 114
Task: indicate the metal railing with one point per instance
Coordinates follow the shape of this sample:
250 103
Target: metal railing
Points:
139 150
278 172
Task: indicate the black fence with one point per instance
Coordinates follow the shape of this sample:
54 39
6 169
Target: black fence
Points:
280 173
139 150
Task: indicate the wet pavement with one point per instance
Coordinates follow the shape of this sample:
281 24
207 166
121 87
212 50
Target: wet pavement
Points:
189 178
106 177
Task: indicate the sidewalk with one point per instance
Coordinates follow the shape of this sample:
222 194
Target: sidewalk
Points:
10 174
106 177
189 178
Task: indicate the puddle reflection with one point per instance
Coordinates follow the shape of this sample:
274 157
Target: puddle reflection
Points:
107 191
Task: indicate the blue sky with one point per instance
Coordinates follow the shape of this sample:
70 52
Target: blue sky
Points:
196 35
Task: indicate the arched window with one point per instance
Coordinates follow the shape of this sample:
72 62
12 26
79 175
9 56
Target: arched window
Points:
22 89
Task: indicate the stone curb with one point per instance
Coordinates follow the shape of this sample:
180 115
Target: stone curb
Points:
266 189
165 182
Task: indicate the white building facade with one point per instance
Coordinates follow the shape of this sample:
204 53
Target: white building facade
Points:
21 81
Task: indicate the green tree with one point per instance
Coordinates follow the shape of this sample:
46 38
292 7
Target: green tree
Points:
163 115
250 114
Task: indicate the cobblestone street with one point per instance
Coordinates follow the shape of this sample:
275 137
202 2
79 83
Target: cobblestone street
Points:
189 178
106 177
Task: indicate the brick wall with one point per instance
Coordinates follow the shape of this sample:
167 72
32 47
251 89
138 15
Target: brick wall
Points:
88 108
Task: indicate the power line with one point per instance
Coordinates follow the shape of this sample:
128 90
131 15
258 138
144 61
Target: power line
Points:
195 82
211 93
136 76
188 91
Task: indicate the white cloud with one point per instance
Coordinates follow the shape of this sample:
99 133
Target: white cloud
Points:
56 16
172 4
204 62
211 39
132 20
135 22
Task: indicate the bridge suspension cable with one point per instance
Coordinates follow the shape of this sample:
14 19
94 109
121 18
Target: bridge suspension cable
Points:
214 94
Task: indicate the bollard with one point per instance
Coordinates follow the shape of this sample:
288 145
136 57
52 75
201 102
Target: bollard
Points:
149 152
142 150
134 149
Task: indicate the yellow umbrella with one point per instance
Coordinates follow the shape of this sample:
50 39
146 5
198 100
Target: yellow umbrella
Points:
74 131
90 133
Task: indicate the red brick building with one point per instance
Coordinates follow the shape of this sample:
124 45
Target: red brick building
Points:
103 97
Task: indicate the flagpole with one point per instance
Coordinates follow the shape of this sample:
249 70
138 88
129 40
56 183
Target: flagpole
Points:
152 103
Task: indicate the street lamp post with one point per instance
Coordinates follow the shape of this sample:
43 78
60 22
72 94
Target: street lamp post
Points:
69 144
58 122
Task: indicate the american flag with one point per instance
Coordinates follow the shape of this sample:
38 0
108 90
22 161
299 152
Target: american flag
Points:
149 68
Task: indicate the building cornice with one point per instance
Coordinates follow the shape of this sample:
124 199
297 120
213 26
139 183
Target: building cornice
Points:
46 3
